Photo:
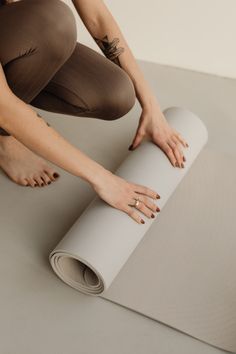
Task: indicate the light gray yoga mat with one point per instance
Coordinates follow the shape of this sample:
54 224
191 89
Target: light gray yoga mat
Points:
177 268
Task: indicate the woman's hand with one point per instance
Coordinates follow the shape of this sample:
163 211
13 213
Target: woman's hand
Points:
154 125
120 194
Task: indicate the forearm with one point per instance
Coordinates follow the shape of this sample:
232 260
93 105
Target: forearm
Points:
21 121
104 29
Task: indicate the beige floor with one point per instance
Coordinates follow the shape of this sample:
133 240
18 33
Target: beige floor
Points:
39 313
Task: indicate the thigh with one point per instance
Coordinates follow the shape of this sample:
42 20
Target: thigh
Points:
88 84
29 51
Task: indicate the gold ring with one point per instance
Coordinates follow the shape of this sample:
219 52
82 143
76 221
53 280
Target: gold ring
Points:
137 202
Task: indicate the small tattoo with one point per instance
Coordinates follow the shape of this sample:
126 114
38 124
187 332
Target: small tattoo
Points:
110 49
42 118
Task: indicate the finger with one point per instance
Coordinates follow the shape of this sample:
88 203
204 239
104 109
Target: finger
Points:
145 190
181 139
179 147
145 210
133 214
176 150
149 203
172 144
138 139
178 156
169 153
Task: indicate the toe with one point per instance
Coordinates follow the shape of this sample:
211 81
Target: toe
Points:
32 182
39 180
24 182
45 178
53 175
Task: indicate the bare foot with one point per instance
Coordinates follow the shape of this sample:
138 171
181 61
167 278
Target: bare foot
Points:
22 165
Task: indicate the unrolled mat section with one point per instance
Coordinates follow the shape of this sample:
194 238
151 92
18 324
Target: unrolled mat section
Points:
183 271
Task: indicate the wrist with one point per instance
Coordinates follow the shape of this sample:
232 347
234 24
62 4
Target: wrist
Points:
97 175
149 101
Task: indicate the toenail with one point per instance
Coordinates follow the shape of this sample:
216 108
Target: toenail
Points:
55 175
41 184
49 182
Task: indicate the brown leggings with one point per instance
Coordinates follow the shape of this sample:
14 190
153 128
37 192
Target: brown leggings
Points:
46 67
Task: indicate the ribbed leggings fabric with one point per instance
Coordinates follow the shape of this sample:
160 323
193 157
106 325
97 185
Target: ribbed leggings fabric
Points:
48 68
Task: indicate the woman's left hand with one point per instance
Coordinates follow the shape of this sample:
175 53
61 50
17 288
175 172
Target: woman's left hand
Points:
154 125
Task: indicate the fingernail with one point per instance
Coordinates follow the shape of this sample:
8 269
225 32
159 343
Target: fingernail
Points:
142 221
152 216
55 175
157 209
157 196
130 147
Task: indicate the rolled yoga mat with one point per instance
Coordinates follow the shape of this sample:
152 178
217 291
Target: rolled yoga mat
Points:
156 268
102 239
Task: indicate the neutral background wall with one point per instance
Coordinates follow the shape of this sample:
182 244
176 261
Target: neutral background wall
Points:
197 35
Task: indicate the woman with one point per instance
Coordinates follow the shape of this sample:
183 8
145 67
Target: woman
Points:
43 65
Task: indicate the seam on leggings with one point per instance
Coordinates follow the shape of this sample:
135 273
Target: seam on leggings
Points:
30 51
78 109
87 109
91 111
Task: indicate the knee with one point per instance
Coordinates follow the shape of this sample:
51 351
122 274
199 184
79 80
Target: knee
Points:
57 26
122 97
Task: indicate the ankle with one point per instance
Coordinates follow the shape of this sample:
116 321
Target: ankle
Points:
4 139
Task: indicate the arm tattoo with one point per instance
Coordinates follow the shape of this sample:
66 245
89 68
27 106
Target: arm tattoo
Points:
42 118
38 115
110 49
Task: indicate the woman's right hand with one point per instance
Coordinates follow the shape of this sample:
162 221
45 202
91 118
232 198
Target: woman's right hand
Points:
120 194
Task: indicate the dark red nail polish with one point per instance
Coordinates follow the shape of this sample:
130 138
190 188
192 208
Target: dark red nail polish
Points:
152 216
157 209
142 221
157 196
130 147
49 182
55 175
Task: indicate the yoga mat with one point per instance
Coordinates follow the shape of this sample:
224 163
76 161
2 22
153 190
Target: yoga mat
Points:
174 268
